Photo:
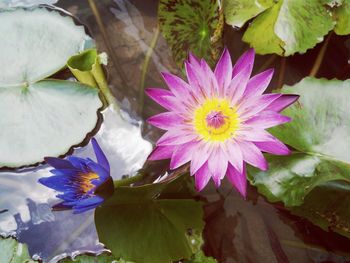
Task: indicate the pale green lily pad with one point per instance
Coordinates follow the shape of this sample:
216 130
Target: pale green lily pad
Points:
41 118
192 26
36 43
284 27
137 226
319 133
12 251
44 119
342 15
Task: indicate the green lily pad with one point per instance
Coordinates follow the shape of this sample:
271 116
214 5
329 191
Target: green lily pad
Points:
103 258
319 133
342 15
191 26
137 226
12 251
238 12
41 117
282 27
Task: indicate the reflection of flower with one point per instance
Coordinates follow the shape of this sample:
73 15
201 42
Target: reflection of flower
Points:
84 183
218 119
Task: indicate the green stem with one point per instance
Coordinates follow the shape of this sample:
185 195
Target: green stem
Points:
320 57
128 181
145 69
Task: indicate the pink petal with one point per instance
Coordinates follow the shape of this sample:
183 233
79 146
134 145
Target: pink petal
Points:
202 177
166 99
161 153
217 164
210 85
238 179
252 155
223 71
246 59
267 119
250 107
195 78
193 60
258 84
177 86
274 147
238 85
183 154
176 137
234 155
201 156
254 135
166 120
283 102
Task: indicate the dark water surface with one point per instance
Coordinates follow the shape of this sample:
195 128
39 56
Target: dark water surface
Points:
237 230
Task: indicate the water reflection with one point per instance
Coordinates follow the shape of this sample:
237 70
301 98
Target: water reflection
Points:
25 204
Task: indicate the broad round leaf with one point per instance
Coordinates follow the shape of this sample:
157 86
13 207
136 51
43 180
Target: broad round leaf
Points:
191 26
342 14
319 133
136 226
12 251
46 118
289 27
35 43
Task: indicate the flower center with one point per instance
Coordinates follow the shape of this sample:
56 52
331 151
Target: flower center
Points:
216 120
85 181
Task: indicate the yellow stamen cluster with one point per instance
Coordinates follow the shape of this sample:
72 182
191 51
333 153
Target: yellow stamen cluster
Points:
225 126
85 181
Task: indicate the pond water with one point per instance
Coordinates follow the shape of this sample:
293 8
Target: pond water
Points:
236 230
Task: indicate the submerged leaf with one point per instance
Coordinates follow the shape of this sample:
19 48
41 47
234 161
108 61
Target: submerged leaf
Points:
12 251
191 26
319 133
146 229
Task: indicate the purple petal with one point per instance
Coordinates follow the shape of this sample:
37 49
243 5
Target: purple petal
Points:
195 78
161 153
59 163
100 156
182 154
253 156
246 59
283 102
238 180
274 147
251 107
258 84
193 60
267 119
202 177
234 155
238 85
160 96
254 135
211 86
175 137
202 154
177 86
223 71
217 164
165 120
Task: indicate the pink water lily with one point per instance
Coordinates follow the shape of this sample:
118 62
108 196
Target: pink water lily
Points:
217 120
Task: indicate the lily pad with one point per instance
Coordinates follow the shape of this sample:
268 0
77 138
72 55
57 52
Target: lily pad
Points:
319 133
191 26
103 258
342 15
282 27
12 251
137 226
41 117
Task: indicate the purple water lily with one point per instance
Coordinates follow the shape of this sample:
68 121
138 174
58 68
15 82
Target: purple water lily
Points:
84 183
217 120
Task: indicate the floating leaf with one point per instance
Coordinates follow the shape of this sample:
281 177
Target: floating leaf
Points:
319 133
12 251
136 226
237 12
103 258
41 118
282 27
191 26
342 15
